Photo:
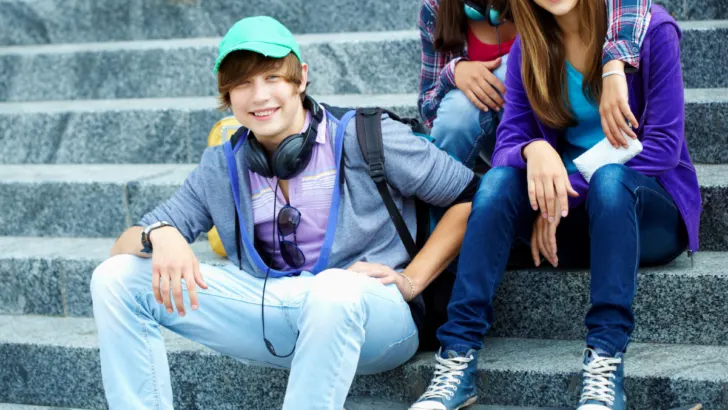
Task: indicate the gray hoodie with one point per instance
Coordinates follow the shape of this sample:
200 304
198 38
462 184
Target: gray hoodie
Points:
362 230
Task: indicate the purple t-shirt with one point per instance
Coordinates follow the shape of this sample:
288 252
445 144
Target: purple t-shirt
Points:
310 192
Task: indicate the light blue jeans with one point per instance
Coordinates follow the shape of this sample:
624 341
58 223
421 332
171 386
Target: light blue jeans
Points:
464 131
348 324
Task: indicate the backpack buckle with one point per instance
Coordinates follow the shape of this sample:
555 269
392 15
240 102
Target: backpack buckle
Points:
376 172
368 111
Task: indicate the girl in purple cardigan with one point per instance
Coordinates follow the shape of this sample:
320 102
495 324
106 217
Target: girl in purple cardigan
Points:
645 212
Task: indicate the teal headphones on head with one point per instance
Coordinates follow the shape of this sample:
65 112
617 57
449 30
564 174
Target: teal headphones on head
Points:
476 12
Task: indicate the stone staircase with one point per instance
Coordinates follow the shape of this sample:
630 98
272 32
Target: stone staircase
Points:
105 107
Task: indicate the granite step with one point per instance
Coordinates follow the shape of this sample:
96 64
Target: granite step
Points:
74 21
341 63
682 302
54 361
174 130
10 406
353 403
102 200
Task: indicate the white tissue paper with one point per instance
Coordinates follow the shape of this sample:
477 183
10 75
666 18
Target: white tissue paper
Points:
604 153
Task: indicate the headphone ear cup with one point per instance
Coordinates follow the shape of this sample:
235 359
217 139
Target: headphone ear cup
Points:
288 157
493 16
256 158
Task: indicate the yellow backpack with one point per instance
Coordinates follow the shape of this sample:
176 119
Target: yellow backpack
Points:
220 132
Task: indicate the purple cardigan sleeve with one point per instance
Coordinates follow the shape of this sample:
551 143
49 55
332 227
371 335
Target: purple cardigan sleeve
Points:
664 119
518 127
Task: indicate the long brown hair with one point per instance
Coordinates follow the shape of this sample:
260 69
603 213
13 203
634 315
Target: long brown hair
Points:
543 65
451 26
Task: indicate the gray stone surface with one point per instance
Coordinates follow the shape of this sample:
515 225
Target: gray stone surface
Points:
367 403
696 9
143 131
514 372
706 124
51 276
368 63
702 53
76 21
175 130
102 200
682 302
77 200
5 406
714 219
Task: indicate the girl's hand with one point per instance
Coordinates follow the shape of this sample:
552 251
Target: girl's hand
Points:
385 275
614 107
548 182
543 241
477 81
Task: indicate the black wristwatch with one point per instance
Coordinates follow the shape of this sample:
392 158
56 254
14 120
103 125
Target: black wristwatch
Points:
146 243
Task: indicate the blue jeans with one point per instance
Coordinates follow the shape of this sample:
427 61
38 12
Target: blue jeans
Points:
464 131
627 220
349 324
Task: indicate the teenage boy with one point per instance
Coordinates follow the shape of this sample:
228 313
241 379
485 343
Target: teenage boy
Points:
309 242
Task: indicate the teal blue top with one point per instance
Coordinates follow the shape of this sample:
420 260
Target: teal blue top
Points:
588 131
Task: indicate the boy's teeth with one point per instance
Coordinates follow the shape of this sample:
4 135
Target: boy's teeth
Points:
263 113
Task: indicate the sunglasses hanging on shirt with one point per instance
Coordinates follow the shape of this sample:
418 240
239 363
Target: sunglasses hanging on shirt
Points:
286 225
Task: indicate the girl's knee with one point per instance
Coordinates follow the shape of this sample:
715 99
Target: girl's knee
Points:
456 116
608 185
499 184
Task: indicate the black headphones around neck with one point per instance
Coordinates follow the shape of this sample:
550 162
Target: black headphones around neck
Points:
292 155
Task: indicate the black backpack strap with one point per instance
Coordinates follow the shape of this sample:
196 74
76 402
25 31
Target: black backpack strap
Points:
369 134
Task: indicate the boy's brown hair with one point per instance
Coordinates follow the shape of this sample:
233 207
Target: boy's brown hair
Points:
241 65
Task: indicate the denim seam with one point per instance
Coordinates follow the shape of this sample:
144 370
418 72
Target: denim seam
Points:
145 334
220 295
662 197
332 394
287 315
474 150
605 343
390 347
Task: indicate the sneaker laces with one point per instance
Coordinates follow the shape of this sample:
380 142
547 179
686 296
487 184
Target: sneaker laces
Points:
598 375
445 382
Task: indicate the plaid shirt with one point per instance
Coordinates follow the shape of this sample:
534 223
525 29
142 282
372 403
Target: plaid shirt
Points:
628 22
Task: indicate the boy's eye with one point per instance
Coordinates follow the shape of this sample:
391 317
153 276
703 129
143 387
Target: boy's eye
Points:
274 77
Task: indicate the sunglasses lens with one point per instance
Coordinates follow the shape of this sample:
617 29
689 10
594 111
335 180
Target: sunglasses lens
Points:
292 254
288 220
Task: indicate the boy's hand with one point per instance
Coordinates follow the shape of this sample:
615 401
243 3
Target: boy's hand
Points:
172 261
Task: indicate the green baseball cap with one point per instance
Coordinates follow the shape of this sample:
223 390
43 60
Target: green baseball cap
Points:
261 34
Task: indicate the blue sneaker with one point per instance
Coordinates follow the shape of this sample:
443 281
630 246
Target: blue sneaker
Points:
602 385
453 387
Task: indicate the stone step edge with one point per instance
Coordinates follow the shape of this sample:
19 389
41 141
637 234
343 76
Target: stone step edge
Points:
302 39
692 95
644 360
709 175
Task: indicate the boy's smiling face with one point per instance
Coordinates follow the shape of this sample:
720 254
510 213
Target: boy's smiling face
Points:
269 105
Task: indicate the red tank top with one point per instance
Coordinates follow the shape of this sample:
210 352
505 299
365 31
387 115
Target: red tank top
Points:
479 51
